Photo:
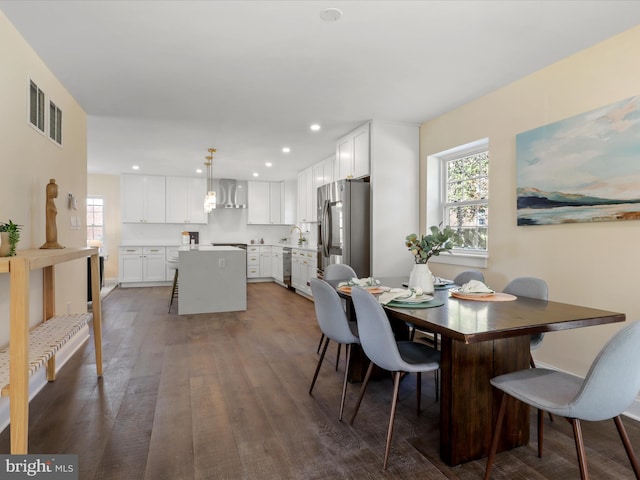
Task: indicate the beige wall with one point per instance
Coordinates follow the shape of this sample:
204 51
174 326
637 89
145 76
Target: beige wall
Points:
28 160
108 187
593 264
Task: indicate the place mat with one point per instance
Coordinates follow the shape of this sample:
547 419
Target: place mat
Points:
429 304
373 290
491 297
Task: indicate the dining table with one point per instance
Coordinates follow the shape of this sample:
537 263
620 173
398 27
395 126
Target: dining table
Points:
481 338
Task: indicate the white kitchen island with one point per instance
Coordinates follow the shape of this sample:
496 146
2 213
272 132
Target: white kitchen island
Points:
212 279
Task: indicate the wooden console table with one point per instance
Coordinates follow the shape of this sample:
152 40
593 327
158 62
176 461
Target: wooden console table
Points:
56 329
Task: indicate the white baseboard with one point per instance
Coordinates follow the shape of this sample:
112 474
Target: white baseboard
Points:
39 379
633 411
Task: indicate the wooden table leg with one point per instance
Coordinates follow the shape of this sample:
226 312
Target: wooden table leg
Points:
19 356
468 404
96 306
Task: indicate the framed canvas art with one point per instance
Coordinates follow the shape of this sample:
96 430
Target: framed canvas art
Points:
582 169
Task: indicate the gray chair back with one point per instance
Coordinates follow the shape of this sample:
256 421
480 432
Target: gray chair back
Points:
374 330
531 287
331 316
339 271
613 381
467 276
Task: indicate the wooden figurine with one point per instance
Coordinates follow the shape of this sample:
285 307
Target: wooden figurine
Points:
51 211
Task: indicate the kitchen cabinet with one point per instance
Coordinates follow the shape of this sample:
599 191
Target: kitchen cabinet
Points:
277 271
305 188
184 200
266 203
303 268
265 262
253 261
142 264
352 154
143 198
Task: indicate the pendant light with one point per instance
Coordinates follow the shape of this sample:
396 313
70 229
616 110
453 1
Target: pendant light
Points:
210 197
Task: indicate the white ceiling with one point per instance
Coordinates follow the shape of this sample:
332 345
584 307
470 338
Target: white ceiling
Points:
162 81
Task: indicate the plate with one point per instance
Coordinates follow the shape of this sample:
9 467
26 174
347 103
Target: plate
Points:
459 294
429 304
373 290
419 299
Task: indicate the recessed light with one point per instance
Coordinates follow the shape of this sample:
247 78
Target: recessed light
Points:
199 170
331 14
268 164
315 127
136 167
286 149
255 174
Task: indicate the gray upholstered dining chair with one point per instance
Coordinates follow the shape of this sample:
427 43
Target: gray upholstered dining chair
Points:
533 288
610 387
467 276
333 272
378 342
333 322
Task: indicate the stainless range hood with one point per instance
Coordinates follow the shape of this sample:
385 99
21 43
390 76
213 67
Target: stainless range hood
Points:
230 193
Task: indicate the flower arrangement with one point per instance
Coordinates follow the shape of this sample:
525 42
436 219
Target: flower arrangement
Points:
14 234
427 246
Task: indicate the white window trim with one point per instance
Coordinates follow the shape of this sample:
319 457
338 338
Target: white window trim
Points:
435 189
35 127
103 249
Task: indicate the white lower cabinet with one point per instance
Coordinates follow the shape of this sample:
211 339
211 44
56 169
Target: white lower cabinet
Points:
276 264
143 264
303 268
259 261
265 262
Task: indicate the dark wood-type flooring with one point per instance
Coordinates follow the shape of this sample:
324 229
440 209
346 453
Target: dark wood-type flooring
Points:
224 396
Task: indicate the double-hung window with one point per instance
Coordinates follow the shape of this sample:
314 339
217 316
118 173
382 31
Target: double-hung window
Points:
95 221
460 197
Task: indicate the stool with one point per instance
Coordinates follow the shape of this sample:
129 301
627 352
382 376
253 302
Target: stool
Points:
173 264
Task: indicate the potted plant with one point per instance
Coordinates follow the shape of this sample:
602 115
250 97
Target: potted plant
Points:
426 246
9 237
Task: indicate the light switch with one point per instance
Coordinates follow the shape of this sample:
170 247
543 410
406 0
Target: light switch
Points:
222 262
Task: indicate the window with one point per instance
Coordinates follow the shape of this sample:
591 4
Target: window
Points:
95 221
36 106
55 123
466 197
458 195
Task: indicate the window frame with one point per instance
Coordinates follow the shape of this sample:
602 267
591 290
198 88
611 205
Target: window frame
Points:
55 123
436 205
40 111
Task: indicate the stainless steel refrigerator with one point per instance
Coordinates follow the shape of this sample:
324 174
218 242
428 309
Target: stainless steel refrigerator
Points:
344 225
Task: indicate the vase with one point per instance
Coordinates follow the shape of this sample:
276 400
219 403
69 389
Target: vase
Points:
5 246
421 277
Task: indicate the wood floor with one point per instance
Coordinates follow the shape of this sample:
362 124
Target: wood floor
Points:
224 396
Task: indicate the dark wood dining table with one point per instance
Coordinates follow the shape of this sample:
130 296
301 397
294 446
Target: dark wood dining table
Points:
480 340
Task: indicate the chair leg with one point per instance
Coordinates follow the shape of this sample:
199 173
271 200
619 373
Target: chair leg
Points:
436 374
365 382
496 436
315 375
174 289
392 417
418 392
532 363
344 382
582 456
540 431
338 356
320 343
627 445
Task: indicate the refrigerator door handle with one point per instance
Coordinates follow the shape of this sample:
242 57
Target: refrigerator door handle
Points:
326 232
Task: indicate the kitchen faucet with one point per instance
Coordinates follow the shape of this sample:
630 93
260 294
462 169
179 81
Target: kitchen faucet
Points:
300 233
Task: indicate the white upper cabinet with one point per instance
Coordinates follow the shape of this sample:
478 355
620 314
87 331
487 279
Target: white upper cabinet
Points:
185 196
305 189
143 199
352 154
268 203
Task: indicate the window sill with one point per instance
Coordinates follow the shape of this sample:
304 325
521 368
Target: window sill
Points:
462 259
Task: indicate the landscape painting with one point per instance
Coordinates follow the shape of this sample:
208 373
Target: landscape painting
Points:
582 169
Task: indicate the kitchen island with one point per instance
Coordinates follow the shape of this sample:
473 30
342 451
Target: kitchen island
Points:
212 279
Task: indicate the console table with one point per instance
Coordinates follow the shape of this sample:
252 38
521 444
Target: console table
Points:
32 349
